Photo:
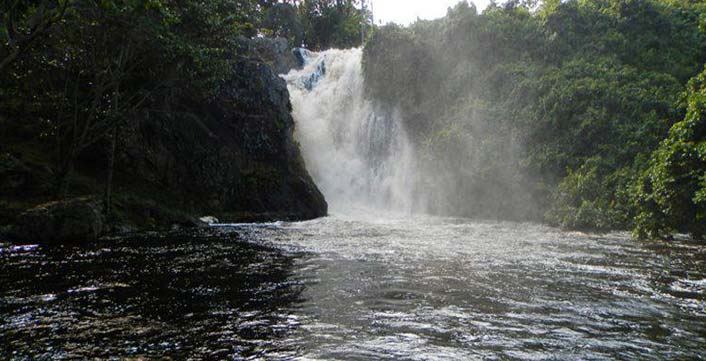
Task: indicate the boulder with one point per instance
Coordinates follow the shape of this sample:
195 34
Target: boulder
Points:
275 52
73 220
302 55
146 214
209 220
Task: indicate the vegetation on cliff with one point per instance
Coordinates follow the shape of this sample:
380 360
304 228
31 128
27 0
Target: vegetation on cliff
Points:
318 24
553 112
94 93
573 112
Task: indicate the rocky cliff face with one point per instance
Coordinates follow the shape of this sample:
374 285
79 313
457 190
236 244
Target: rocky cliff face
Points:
277 53
233 157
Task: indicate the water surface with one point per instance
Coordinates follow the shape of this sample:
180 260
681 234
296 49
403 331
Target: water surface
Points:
371 287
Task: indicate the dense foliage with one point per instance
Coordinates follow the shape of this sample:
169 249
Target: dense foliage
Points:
559 111
671 194
100 64
548 112
73 72
318 24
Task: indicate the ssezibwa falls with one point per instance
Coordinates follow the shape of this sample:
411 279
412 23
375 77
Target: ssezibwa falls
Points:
295 180
357 152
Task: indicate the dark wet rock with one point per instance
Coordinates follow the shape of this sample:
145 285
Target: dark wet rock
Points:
231 154
122 229
301 54
315 77
147 214
189 222
275 52
209 220
234 154
303 57
62 221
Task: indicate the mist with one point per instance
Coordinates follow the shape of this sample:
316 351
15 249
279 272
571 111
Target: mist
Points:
394 141
512 113
356 149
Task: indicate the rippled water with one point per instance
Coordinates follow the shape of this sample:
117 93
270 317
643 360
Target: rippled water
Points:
358 288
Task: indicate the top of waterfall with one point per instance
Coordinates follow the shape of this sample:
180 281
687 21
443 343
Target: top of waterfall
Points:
314 65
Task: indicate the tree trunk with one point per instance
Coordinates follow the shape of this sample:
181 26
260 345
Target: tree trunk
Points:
64 177
8 59
108 200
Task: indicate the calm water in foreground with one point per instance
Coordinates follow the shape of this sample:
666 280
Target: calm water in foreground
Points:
342 288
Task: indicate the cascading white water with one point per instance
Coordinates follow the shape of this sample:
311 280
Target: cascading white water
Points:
357 152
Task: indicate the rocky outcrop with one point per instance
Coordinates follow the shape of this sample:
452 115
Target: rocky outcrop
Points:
233 157
64 221
275 52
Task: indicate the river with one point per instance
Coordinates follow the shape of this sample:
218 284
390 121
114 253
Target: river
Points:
376 280
374 286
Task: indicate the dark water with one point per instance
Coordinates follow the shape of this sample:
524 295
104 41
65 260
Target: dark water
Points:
416 288
204 295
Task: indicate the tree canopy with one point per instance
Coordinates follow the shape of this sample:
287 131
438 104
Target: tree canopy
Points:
73 71
546 112
671 193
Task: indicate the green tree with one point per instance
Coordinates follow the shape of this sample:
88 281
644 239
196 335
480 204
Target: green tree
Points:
282 20
23 22
671 194
106 63
333 23
549 112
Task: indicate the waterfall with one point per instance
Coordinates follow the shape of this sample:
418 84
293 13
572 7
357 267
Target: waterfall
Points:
356 151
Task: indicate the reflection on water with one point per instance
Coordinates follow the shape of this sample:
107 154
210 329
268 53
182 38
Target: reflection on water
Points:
355 288
203 295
